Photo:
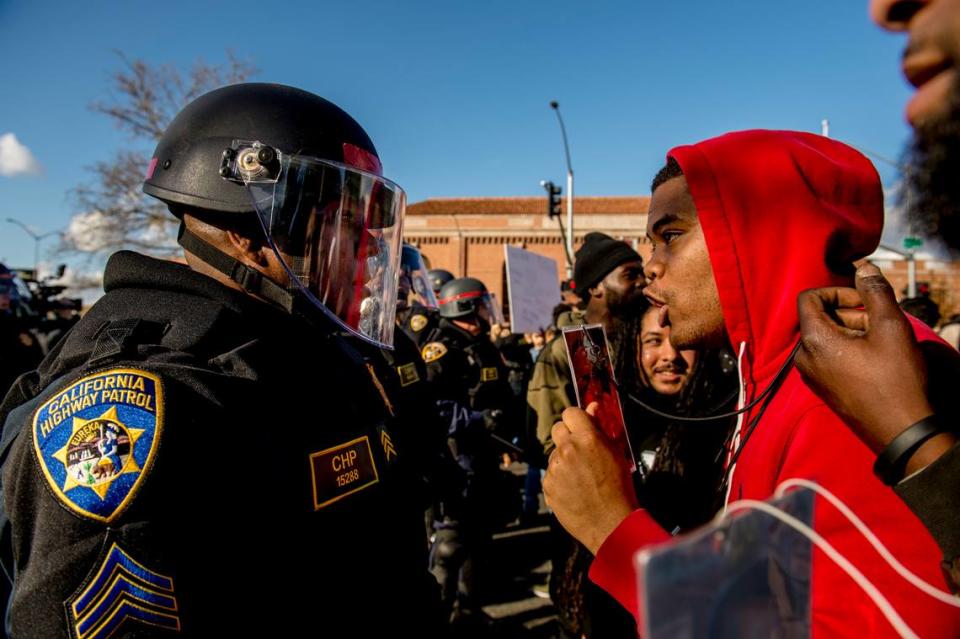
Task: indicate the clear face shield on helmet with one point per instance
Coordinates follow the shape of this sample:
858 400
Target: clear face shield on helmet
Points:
336 230
484 305
414 287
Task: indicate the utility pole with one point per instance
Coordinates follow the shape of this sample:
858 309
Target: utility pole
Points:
36 243
566 149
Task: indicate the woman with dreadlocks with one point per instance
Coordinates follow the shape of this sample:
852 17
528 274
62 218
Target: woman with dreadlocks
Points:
679 464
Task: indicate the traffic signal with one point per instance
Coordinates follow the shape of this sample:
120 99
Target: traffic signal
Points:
553 198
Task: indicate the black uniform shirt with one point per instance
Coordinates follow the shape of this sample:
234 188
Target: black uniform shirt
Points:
198 460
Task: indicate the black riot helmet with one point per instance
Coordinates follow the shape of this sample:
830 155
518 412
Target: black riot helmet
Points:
466 297
439 277
310 176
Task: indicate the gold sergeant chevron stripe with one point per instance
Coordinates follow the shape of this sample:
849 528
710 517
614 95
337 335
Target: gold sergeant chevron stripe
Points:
387 444
123 590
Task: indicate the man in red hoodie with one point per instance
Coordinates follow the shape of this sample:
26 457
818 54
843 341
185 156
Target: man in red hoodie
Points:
741 224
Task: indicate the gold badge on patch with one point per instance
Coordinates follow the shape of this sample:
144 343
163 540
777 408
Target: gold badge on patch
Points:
417 322
408 374
341 471
489 374
433 351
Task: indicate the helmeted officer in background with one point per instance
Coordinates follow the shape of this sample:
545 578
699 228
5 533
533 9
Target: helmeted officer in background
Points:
474 374
416 300
204 453
438 278
468 371
416 415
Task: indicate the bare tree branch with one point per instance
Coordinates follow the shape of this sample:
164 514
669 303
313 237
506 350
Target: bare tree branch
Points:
113 212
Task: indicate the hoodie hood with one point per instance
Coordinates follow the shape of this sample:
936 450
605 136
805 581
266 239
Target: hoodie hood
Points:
781 212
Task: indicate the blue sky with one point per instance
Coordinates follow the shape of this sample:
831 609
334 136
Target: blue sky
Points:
456 95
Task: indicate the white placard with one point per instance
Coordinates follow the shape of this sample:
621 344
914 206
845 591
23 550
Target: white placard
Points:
533 288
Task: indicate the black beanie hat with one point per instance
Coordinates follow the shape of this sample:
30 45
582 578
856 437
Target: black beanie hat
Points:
599 255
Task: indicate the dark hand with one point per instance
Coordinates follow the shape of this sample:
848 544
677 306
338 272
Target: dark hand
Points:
588 484
865 364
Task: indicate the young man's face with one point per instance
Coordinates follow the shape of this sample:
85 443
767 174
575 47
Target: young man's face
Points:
666 369
679 273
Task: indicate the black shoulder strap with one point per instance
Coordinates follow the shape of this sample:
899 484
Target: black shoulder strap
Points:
249 279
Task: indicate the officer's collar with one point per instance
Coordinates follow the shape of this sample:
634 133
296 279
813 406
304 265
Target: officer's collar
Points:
128 269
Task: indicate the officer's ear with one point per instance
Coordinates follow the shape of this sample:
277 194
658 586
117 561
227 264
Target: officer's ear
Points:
247 249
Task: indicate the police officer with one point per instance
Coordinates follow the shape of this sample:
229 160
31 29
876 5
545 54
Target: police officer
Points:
439 277
20 349
468 371
420 423
204 453
416 302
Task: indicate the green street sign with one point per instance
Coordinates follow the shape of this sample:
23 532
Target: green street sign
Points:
912 242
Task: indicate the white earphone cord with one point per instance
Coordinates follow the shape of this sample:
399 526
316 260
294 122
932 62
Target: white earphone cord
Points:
858 577
894 563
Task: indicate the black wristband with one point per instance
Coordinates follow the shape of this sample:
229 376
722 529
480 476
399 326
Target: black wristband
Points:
892 462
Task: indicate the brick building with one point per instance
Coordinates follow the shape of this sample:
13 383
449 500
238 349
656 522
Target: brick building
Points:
942 276
466 237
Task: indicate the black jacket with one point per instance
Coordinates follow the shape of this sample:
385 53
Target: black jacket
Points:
267 495
933 494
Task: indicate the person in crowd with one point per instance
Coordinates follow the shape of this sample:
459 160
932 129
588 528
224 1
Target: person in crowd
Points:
720 276
609 280
679 463
950 331
549 334
923 308
199 413
416 301
868 366
19 349
467 373
570 298
610 274
536 341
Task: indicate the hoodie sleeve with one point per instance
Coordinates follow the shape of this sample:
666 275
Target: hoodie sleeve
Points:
821 448
612 568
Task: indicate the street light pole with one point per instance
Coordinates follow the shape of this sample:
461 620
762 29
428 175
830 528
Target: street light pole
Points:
566 149
911 258
36 243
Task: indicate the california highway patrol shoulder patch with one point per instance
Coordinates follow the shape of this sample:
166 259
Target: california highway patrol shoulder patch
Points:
433 351
417 322
97 438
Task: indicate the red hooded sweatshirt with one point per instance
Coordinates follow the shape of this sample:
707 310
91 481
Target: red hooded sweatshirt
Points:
782 212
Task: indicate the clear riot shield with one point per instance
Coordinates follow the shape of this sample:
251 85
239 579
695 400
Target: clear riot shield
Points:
745 577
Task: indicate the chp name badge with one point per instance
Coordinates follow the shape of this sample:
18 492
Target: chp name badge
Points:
408 374
96 440
342 470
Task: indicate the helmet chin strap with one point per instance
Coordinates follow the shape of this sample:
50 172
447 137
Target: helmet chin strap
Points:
248 278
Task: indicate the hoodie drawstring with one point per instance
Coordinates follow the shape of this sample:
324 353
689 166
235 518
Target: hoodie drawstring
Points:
735 443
